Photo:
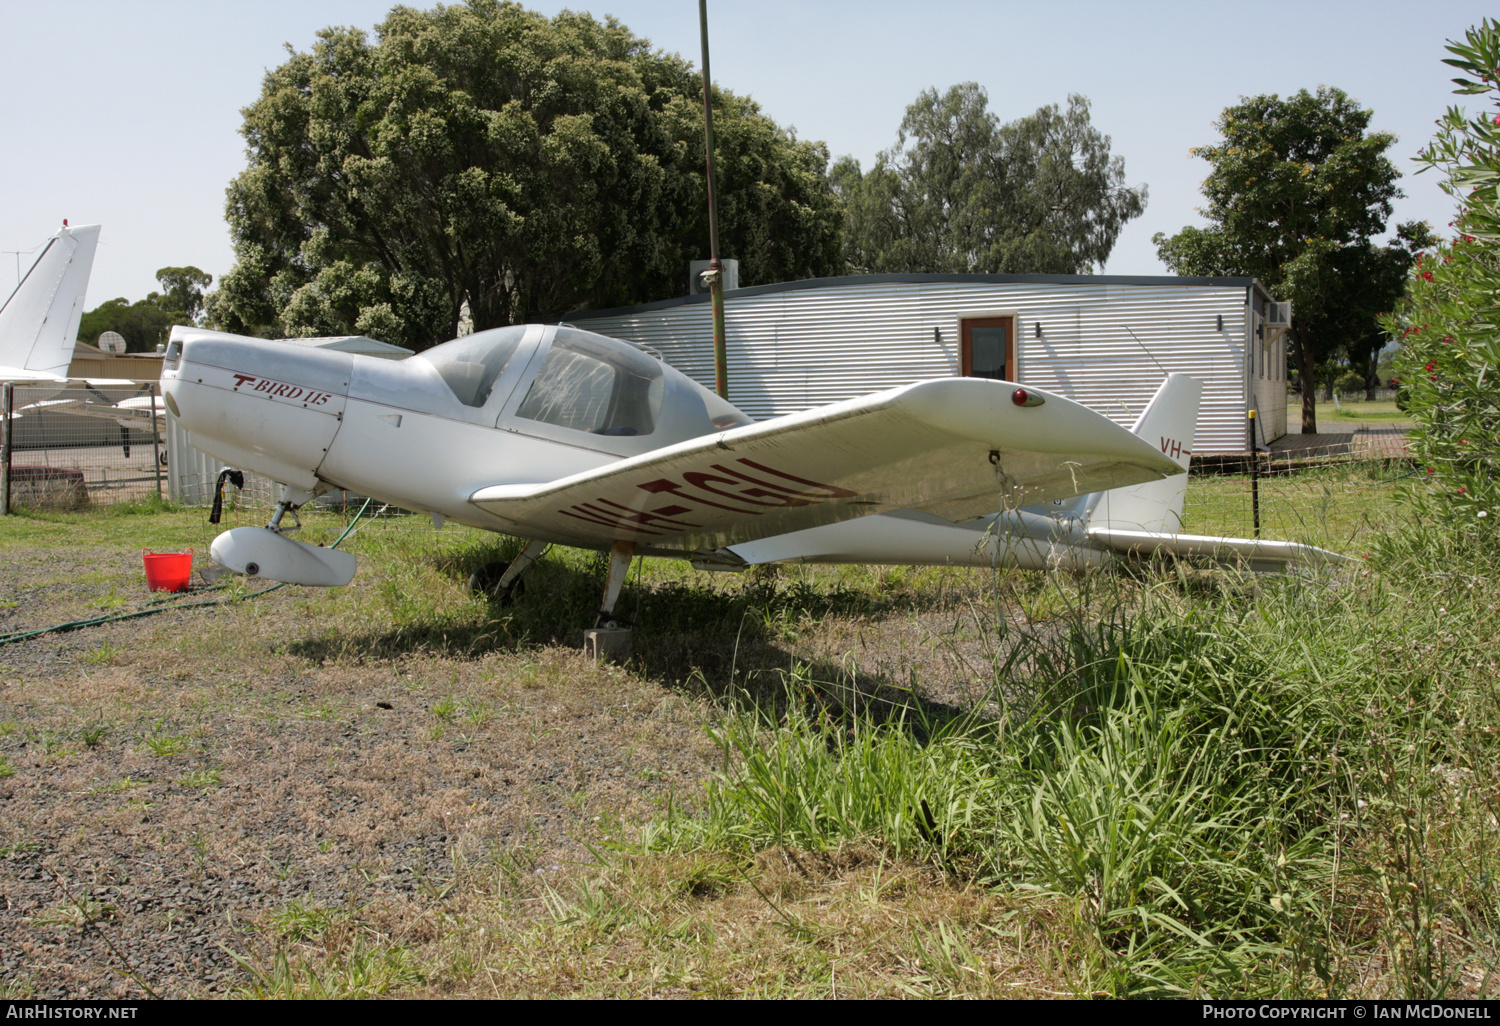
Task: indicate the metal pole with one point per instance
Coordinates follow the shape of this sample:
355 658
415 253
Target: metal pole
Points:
1254 476
7 401
155 444
715 268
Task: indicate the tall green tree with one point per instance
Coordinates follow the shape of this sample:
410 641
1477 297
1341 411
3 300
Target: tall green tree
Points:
1298 189
1377 281
183 290
148 321
963 192
483 153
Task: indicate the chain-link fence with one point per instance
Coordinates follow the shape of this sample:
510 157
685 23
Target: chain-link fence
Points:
1330 496
79 445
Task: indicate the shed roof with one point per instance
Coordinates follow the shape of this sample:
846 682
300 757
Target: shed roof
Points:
1157 280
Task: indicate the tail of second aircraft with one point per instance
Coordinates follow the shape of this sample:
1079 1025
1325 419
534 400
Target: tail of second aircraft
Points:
39 322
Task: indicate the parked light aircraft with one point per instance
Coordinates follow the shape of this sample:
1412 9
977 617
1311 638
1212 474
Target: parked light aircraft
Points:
39 327
39 322
140 412
562 436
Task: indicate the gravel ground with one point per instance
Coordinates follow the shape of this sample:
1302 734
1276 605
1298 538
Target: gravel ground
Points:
160 809
176 790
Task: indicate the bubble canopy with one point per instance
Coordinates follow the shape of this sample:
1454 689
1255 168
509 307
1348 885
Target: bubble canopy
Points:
563 379
471 365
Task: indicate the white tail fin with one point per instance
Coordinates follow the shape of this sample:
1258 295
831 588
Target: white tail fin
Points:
39 322
1170 421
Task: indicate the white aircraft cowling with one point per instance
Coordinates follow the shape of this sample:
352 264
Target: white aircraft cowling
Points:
272 407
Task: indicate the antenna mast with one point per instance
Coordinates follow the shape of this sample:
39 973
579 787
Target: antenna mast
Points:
715 275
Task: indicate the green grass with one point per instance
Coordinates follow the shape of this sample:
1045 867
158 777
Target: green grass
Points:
1226 785
1170 783
1350 414
1344 507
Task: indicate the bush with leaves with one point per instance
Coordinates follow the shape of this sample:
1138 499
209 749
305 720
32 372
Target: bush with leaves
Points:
1449 367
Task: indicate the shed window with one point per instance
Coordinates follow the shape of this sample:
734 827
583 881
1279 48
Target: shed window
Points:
594 384
987 348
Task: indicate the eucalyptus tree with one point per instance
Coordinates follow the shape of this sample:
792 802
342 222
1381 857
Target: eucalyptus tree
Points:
962 191
1298 189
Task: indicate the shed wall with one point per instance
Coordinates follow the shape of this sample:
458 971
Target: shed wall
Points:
1107 346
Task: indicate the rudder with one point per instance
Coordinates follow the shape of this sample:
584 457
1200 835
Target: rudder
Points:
1169 421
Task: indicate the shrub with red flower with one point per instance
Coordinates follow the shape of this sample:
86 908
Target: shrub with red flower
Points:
1450 375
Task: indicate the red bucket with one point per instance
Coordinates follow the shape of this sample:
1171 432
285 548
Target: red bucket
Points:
168 571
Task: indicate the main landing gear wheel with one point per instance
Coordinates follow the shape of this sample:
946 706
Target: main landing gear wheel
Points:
486 581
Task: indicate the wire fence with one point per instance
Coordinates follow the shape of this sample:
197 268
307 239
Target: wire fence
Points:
1331 496
79 445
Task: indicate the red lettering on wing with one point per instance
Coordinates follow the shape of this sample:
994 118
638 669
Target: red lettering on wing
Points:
583 511
664 516
828 491
755 496
765 492
676 488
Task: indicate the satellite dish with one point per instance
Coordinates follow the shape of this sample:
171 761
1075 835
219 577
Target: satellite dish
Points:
112 342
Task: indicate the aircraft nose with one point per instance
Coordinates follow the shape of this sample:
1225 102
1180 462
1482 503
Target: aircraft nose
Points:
268 407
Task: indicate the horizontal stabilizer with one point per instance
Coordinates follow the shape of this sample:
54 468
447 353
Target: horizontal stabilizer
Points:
1230 550
955 447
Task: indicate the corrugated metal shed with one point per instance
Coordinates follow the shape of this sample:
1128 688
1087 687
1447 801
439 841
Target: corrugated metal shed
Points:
1103 341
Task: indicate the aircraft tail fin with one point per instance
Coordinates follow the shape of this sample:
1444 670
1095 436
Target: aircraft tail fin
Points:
1168 422
39 322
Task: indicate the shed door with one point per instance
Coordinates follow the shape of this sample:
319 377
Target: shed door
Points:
988 348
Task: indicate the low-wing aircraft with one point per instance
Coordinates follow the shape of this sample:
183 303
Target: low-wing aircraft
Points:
562 436
143 411
39 321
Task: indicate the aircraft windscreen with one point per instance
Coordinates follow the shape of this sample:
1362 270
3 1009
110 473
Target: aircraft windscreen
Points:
595 384
472 365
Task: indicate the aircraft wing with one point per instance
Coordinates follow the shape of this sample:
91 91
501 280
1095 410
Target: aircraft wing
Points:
21 375
132 412
956 447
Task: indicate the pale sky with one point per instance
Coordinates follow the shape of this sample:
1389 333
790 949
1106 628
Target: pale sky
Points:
127 113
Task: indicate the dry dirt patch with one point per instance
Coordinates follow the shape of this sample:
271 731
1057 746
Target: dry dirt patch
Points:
174 788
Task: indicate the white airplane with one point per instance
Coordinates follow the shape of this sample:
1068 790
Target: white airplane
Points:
561 436
139 412
39 322
39 326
